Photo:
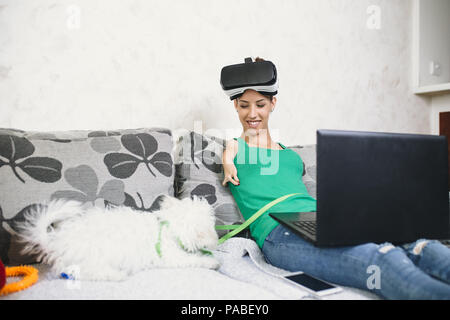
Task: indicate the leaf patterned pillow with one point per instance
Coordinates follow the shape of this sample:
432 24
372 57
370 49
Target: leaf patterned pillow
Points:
198 171
131 167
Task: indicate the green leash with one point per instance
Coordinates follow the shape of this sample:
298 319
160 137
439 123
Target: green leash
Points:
238 228
158 244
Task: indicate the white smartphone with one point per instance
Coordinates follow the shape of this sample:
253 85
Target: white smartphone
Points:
313 285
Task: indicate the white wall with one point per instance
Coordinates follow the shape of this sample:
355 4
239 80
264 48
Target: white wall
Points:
81 64
434 41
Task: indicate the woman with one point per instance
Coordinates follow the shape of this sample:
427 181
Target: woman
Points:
419 270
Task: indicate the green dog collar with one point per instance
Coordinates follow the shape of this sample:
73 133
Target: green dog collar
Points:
158 244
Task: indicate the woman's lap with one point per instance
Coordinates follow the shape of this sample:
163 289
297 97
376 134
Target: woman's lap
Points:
343 265
383 269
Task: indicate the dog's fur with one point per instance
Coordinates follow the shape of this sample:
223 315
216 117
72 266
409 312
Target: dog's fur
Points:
113 243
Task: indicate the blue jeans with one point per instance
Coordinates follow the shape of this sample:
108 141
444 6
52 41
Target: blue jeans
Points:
405 272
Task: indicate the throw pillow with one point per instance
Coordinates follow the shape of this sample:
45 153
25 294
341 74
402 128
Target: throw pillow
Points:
199 171
131 167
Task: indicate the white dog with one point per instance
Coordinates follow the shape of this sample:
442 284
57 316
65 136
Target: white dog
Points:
113 243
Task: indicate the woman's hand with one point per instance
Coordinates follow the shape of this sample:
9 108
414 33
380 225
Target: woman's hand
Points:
230 173
229 169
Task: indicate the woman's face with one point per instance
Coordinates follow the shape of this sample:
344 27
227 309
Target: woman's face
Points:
254 110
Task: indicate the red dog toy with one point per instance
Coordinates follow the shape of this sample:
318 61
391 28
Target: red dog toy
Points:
2 275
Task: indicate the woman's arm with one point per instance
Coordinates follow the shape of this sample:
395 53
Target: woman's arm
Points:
229 169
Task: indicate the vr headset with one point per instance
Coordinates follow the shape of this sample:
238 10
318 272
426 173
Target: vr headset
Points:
260 76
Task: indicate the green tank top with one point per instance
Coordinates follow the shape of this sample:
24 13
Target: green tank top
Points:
265 175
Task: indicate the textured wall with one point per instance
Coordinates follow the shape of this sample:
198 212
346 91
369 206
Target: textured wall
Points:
81 64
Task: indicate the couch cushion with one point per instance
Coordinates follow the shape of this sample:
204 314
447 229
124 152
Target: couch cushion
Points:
308 155
132 167
199 171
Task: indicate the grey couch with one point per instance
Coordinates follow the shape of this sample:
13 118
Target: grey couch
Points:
136 167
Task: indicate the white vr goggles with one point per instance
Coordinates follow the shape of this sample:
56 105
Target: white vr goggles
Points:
260 76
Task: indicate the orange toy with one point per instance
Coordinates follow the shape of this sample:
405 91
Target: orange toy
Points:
29 273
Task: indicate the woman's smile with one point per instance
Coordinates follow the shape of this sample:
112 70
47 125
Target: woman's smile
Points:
254 124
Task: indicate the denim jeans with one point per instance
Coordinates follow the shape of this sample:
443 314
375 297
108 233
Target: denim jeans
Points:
403 272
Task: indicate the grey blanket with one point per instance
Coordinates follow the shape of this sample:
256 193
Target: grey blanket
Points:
243 274
242 259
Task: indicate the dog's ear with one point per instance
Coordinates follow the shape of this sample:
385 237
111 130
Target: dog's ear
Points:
194 223
167 202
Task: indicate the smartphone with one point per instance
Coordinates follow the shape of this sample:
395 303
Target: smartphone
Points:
313 285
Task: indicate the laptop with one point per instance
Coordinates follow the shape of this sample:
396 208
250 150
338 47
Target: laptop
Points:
376 187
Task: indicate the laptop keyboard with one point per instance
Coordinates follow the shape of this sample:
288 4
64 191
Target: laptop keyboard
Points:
309 226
